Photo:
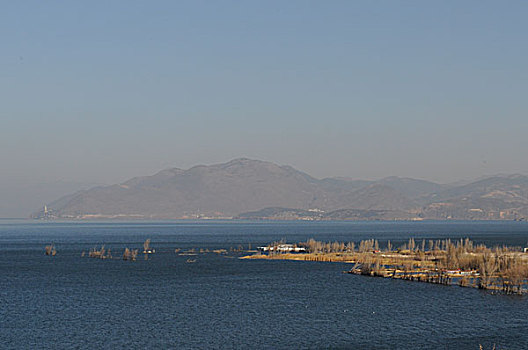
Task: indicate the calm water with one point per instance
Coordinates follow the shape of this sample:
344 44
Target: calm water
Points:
223 302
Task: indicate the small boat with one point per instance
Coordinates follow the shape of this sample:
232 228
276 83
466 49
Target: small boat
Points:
190 261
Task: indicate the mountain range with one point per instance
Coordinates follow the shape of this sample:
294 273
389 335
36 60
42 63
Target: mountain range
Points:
253 189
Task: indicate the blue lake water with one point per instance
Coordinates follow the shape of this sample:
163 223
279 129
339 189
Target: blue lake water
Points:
223 302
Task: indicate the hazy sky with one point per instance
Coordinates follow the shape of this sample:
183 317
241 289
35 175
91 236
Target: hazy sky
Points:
101 91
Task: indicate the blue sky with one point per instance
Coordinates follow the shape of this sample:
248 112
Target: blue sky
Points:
101 91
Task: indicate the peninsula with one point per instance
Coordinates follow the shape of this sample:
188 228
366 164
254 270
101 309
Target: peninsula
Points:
463 263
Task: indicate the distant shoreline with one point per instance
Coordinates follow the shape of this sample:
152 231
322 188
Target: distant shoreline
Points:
252 220
257 190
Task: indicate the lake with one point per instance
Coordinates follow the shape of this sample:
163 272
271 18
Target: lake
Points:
220 301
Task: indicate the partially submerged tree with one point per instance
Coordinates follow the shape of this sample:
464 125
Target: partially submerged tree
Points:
50 250
100 253
130 254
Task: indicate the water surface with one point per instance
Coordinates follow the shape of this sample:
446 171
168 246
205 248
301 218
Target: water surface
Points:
223 302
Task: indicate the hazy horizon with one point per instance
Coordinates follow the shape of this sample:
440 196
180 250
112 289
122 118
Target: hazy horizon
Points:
98 92
22 197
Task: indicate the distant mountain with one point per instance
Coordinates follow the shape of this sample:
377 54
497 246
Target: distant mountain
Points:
202 191
412 188
343 183
376 196
277 213
497 197
248 188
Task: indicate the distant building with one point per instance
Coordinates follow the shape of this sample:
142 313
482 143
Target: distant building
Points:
283 248
45 214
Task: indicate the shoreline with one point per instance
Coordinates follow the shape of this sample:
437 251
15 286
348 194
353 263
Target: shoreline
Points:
500 269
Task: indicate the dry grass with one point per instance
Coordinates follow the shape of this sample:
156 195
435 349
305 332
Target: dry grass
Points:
462 262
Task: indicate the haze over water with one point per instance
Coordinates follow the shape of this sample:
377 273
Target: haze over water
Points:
223 302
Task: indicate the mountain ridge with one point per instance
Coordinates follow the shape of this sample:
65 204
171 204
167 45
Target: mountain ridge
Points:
244 185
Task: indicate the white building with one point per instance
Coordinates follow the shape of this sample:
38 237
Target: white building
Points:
283 248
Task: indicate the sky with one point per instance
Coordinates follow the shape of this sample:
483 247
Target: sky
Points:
102 91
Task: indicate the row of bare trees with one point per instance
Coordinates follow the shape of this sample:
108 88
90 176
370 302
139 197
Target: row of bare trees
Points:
101 253
454 247
128 254
437 261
